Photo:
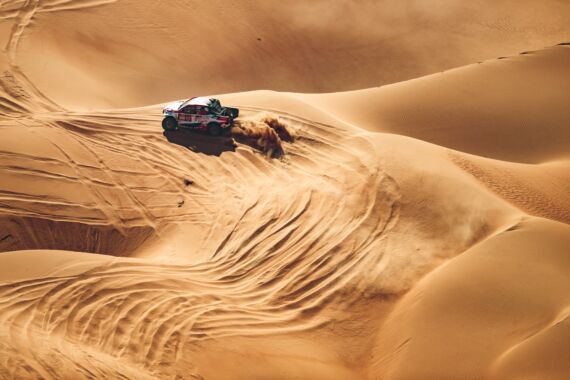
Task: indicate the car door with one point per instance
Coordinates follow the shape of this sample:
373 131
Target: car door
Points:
188 116
202 116
184 116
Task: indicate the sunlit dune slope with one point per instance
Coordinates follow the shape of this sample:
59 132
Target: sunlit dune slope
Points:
417 230
261 255
499 311
239 256
514 109
106 53
239 245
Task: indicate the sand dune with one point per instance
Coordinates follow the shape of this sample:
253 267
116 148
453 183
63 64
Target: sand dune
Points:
474 299
512 109
418 230
260 261
106 53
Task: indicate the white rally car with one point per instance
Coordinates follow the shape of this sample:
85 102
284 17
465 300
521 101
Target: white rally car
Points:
199 113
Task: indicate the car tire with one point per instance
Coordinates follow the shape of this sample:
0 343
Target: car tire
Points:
214 129
169 124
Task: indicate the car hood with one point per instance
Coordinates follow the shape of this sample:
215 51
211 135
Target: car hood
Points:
174 106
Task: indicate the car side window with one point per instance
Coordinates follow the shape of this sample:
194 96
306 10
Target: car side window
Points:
189 110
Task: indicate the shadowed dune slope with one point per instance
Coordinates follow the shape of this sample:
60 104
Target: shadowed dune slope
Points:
107 53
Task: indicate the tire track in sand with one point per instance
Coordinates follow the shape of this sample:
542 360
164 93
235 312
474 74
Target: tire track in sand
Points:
279 264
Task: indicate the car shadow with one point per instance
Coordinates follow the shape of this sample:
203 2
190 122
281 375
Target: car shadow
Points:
201 142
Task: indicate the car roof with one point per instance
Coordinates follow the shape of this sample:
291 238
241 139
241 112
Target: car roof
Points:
198 101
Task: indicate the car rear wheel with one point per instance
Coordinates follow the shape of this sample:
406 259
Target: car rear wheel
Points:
214 129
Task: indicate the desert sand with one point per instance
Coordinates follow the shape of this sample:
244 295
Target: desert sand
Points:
393 203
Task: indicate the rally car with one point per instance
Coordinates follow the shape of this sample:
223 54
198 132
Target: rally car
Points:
206 114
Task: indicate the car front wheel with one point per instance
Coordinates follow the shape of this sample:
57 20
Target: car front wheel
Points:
169 124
